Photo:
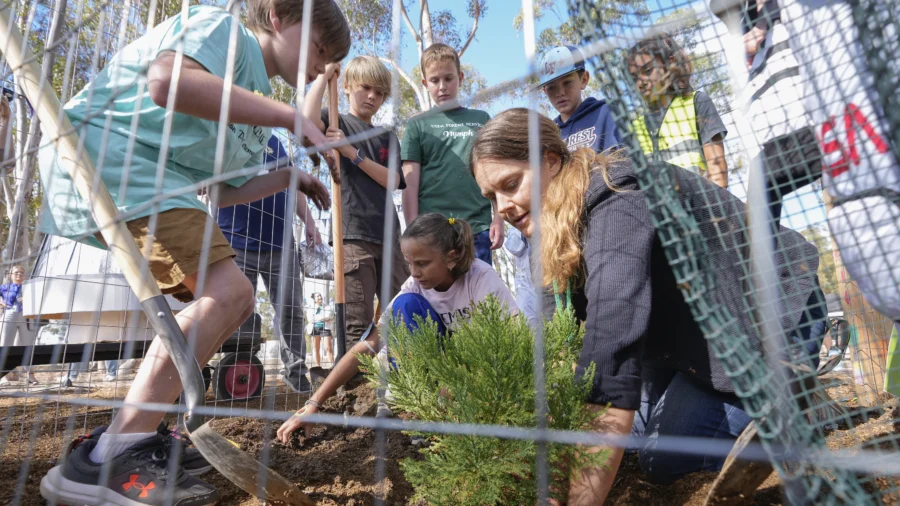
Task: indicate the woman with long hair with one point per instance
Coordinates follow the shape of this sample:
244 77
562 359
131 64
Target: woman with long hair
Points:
598 244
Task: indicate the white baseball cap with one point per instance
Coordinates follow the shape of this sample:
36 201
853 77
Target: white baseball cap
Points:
558 62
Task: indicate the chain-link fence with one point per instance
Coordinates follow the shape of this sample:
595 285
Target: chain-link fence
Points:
781 102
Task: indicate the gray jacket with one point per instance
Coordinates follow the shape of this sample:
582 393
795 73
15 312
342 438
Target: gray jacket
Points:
630 303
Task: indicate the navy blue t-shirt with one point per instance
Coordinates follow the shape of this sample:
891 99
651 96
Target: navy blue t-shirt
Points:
592 126
258 226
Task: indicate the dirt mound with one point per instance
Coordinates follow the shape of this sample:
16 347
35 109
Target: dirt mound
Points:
334 465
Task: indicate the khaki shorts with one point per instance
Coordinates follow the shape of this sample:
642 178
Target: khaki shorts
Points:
176 248
363 279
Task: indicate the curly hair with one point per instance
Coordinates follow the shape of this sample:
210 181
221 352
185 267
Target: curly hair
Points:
679 68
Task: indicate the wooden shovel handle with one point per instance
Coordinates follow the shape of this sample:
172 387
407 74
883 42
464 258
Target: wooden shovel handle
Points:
337 215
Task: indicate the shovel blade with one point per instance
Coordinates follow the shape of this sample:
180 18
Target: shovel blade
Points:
244 471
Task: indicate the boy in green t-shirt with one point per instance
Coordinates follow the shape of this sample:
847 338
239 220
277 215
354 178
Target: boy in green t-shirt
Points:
128 462
435 153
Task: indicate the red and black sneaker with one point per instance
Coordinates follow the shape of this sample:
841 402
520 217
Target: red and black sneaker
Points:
139 476
192 461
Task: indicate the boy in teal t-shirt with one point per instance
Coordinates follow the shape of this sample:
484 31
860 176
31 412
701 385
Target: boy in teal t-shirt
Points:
435 153
139 158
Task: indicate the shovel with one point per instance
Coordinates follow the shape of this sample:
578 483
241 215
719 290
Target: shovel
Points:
318 374
230 461
337 230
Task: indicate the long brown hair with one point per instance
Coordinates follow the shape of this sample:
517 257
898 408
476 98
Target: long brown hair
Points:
506 138
679 68
445 235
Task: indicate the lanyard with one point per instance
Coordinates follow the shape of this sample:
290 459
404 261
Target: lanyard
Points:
559 304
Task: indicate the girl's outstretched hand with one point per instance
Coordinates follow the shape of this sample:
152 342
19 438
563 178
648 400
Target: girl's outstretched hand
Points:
296 421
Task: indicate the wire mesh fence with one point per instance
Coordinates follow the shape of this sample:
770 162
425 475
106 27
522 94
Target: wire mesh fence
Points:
779 105
759 140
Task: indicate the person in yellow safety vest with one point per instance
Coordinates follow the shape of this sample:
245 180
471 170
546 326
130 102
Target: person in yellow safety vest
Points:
681 124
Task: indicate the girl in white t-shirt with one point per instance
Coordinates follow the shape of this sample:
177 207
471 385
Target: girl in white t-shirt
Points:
445 280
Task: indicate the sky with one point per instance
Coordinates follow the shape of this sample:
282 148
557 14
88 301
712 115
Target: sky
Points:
498 53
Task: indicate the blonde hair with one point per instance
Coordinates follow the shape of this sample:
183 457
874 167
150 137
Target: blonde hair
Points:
367 70
8 277
326 15
505 137
437 53
679 68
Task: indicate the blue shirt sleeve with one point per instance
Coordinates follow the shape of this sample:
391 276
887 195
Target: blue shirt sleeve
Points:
611 137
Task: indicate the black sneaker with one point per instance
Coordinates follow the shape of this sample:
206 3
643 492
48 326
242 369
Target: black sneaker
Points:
192 461
303 385
139 476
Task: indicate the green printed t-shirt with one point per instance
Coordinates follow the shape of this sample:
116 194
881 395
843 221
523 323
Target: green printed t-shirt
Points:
442 141
119 93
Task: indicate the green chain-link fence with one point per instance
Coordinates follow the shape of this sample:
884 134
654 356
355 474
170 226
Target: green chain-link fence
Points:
798 408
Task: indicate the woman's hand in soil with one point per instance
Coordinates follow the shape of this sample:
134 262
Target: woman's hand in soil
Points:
296 421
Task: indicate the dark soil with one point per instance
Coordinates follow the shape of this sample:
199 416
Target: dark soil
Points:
333 465
336 465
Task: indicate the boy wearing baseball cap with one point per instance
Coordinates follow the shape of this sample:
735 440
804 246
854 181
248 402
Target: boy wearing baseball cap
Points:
584 123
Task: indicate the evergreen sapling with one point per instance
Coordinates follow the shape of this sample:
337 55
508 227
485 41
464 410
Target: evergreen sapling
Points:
483 374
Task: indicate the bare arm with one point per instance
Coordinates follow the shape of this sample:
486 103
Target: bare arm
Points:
309 223
200 93
268 184
410 197
374 169
340 375
717 167
591 486
312 104
497 230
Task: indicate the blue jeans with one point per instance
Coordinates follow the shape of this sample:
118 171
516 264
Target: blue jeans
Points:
807 337
483 247
288 317
410 305
673 404
112 367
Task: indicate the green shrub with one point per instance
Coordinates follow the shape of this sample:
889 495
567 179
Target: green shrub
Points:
484 374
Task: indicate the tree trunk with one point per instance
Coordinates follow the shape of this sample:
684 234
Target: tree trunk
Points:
19 242
425 26
427 35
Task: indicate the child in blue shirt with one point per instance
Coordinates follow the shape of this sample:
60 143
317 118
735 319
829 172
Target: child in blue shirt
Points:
585 123
14 323
256 233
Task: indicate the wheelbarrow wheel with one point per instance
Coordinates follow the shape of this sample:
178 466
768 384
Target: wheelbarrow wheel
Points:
238 376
